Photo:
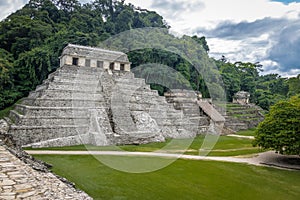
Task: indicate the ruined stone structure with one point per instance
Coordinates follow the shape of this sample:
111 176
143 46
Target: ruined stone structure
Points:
83 56
241 117
241 114
241 97
19 181
198 110
186 100
93 98
81 104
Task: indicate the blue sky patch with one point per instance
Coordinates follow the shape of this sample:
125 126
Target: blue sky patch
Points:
287 1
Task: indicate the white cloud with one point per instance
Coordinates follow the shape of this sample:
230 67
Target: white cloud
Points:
247 50
7 7
273 42
216 11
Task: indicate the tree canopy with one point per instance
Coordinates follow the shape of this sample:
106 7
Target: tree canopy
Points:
281 128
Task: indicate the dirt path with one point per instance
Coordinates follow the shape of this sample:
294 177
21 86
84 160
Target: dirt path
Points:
262 159
241 136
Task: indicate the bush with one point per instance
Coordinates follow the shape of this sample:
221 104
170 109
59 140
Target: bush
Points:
280 130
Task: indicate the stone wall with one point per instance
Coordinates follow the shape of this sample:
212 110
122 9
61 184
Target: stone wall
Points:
23 177
20 181
186 101
241 117
93 57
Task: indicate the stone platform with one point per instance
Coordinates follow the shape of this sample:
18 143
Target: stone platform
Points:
241 117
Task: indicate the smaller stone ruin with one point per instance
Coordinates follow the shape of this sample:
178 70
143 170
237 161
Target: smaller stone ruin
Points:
83 56
242 98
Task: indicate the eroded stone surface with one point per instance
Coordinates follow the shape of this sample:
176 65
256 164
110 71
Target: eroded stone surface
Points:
3 126
20 181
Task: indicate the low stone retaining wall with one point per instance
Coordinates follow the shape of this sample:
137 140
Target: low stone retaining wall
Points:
20 181
23 177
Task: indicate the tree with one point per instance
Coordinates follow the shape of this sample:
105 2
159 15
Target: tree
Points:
280 130
67 5
33 68
202 41
6 66
8 94
106 7
21 33
231 77
294 85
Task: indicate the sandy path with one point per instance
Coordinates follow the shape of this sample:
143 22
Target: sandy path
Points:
241 136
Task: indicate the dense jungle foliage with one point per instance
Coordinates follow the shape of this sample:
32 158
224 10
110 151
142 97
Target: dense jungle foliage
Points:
32 39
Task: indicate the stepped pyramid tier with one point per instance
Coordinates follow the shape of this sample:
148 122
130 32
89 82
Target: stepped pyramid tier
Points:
205 118
241 116
93 98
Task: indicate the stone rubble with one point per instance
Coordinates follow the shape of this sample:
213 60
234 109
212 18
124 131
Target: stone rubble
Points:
20 181
3 126
23 177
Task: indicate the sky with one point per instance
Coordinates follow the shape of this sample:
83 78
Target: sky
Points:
262 31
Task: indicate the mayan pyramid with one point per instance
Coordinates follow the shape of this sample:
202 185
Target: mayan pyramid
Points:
93 98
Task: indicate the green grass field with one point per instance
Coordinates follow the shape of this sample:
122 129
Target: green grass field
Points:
250 132
184 179
226 146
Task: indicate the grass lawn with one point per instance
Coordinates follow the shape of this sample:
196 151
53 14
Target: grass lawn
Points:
249 132
226 146
184 179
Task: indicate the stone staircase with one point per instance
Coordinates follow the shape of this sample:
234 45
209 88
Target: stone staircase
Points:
140 113
241 117
83 105
58 112
186 100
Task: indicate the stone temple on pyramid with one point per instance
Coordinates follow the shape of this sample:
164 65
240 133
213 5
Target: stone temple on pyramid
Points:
93 98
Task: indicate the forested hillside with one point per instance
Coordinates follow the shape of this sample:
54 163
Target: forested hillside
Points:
31 40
